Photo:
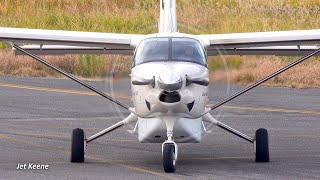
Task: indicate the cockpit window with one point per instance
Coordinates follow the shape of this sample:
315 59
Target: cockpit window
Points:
153 49
184 49
170 49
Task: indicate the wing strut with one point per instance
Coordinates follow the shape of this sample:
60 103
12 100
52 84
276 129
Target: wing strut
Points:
261 81
74 78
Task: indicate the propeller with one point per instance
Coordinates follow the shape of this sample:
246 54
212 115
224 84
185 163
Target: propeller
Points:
199 81
143 82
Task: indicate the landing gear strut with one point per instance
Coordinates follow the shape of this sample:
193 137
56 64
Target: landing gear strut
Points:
79 141
260 142
169 147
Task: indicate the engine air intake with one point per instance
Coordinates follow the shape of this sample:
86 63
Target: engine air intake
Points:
169 97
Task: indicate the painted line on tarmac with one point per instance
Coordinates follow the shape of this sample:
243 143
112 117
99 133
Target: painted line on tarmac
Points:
273 110
124 96
116 95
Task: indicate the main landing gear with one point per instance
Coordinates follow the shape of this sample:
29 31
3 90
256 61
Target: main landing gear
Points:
77 146
79 141
261 145
260 141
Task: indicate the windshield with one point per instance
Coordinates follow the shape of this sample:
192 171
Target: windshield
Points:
154 49
170 49
184 49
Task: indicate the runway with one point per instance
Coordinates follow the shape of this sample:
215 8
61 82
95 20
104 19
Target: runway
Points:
37 117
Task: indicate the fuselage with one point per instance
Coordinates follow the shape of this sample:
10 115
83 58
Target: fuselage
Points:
170 81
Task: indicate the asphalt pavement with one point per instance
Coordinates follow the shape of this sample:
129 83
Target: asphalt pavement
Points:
37 117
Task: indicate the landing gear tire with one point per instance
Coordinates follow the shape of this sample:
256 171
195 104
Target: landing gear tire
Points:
77 146
169 162
262 145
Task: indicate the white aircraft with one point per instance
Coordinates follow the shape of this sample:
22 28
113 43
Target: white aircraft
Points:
169 77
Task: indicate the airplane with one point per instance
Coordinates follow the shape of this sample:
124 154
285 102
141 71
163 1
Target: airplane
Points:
169 76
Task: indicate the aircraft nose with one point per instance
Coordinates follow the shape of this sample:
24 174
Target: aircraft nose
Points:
170 81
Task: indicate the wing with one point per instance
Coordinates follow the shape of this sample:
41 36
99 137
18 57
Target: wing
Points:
71 41
268 50
64 50
284 43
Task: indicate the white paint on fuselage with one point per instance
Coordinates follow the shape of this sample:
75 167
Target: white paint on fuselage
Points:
151 124
188 94
154 130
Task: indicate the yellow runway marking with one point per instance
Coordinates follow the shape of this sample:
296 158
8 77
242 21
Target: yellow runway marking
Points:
270 109
273 110
116 95
124 96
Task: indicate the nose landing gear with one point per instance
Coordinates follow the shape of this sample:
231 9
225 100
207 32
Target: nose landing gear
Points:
170 156
169 147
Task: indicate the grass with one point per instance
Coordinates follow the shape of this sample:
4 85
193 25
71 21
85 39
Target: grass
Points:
141 16
253 69
89 66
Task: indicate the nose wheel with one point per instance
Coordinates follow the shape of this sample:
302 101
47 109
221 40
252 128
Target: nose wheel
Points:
77 146
169 155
